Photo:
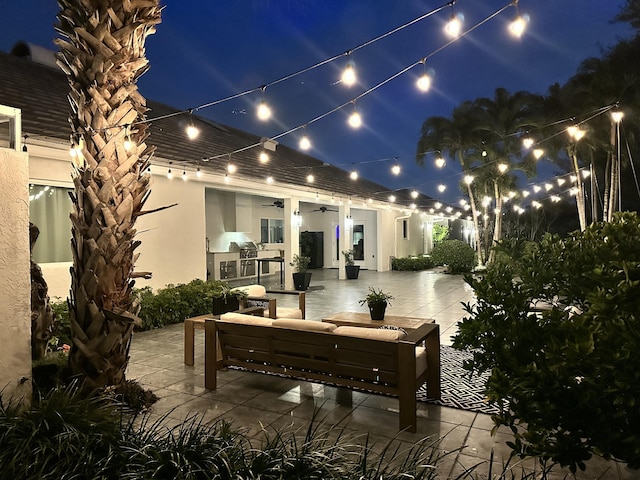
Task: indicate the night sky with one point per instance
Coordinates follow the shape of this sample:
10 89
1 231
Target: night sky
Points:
208 50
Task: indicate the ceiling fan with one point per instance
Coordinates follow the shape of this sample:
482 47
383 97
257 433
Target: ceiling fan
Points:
324 209
277 204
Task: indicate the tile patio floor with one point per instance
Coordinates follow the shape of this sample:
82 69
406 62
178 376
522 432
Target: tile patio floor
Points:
254 402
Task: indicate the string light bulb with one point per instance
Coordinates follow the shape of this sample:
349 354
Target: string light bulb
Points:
184 175
305 143
191 130
527 142
353 175
128 143
617 116
198 173
503 167
269 180
310 178
468 179
424 81
392 198
349 76
231 168
263 157
519 23
454 25
442 187
355 120
227 178
440 162
538 153
414 193
395 169
169 172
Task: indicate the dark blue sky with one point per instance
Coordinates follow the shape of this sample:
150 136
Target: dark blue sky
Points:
207 50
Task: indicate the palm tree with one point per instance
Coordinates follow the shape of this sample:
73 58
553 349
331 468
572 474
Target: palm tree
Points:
457 138
103 55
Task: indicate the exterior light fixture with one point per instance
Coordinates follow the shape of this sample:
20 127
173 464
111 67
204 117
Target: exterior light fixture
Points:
468 179
355 120
349 76
440 162
527 142
310 178
537 153
395 169
442 187
305 143
353 175
414 193
617 116
191 130
263 157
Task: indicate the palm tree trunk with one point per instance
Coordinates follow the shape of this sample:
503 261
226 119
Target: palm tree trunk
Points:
103 55
582 216
476 225
497 227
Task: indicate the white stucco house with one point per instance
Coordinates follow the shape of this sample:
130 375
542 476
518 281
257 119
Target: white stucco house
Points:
270 203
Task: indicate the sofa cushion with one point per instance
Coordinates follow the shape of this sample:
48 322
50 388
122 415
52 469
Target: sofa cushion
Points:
253 290
246 319
305 325
288 312
372 333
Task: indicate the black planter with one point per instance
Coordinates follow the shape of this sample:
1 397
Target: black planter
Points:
221 305
376 310
301 280
352 271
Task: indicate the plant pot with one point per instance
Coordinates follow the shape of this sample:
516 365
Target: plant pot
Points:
352 271
226 304
376 310
301 280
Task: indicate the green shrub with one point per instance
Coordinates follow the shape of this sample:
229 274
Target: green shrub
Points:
412 264
457 255
567 377
439 233
174 303
62 326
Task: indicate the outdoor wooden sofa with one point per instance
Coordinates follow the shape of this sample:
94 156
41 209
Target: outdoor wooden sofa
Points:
258 295
367 359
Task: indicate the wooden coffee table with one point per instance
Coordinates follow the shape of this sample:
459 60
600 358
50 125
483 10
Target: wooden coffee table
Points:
357 319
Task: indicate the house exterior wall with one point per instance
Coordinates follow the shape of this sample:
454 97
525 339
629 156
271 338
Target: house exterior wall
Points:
413 244
15 280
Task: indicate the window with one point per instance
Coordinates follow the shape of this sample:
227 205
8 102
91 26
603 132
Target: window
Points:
405 229
271 230
49 209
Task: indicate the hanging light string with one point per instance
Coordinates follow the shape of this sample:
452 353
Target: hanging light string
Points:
375 87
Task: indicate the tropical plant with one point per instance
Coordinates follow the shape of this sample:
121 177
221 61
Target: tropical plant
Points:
555 324
439 233
376 295
102 53
348 257
300 263
457 255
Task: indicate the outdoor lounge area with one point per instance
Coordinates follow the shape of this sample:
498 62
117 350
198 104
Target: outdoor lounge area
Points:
256 402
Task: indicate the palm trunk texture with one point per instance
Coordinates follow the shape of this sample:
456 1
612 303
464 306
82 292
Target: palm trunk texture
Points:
102 52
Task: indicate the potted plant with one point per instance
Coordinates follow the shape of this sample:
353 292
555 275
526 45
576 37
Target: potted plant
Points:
226 299
377 301
301 278
350 266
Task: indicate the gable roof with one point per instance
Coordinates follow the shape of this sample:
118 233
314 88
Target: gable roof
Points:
40 91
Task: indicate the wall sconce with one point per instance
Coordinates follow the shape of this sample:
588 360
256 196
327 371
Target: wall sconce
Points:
348 222
297 219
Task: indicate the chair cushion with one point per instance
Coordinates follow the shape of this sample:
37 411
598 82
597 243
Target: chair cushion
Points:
253 290
421 360
288 312
372 333
246 319
305 325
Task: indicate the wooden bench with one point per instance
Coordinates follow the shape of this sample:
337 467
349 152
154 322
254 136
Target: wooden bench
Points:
373 365
193 323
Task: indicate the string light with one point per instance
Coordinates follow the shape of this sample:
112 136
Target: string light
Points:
454 25
231 168
414 193
503 167
191 130
468 179
537 153
269 180
395 169
438 205
310 178
305 143
440 162
617 116
519 23
264 157
198 173
349 77
527 142
353 175
128 144
355 120
184 175
412 206
424 81
169 172
561 181
227 178
442 187
392 198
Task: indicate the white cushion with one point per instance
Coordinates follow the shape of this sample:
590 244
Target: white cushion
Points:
305 325
421 360
254 290
372 333
245 319
287 312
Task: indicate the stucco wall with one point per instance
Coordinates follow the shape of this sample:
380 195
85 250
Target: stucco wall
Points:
173 240
15 283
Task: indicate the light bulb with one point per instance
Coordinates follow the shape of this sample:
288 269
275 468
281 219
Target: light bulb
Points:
617 116
392 198
537 153
263 157
503 167
442 187
198 173
424 82
269 180
440 162
438 205
349 75
412 206
192 131
518 26
414 194
454 26
527 142
231 168
263 112
561 181
128 144
227 178
548 186
305 143
395 169
355 120
468 179
169 174
184 175
310 178
537 188
353 175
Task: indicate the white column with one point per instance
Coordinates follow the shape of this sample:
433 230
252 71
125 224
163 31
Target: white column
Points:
344 211
15 277
291 239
